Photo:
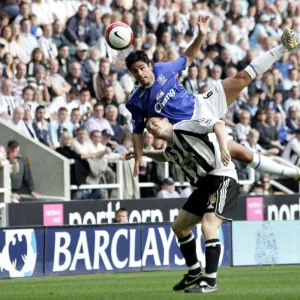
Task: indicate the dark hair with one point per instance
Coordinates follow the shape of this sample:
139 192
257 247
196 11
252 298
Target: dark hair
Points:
135 56
75 109
28 87
39 108
122 209
84 90
82 128
94 131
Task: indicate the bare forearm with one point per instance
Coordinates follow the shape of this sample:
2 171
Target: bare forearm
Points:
138 145
192 51
221 133
155 154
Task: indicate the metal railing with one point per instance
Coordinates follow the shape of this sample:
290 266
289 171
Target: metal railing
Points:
120 180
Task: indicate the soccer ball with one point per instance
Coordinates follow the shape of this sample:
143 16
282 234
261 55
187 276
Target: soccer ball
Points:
119 35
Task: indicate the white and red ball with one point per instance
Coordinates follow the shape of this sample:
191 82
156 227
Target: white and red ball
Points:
119 35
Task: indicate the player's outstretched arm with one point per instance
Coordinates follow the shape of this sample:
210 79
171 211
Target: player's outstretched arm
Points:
192 51
153 154
222 136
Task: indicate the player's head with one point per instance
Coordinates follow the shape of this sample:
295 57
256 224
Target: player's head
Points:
139 64
160 128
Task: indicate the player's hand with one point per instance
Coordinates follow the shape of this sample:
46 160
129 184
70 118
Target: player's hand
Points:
225 157
129 155
137 165
202 24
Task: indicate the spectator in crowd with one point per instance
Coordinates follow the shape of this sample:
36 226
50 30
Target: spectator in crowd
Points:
19 82
294 100
37 58
58 84
24 12
109 97
7 100
121 215
74 79
100 80
265 180
28 122
63 59
59 37
291 152
268 137
190 83
46 43
27 40
81 56
41 126
111 113
75 121
84 103
293 119
257 189
97 120
74 33
21 172
168 189
58 127
243 128
253 146
80 168
79 27
41 82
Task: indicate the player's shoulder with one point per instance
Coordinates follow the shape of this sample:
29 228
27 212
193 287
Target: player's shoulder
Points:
134 94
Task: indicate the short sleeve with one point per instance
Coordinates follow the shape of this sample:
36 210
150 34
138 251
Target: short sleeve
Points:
174 66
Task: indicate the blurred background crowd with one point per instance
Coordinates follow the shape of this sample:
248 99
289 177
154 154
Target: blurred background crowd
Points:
63 86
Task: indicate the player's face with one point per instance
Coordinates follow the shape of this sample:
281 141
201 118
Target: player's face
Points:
158 127
142 73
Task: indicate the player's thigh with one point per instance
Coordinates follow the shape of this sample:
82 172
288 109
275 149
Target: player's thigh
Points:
239 152
234 85
184 223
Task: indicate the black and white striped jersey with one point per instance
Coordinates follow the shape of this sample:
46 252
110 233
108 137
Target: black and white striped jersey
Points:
196 150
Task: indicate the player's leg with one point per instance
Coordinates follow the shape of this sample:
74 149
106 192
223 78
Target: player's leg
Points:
221 205
261 163
182 227
234 85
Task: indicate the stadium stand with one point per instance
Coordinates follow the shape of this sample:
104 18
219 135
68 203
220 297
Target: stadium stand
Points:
57 74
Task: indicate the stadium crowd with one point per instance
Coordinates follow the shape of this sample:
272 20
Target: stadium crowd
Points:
62 85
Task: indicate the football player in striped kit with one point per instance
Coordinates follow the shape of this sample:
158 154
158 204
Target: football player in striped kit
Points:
203 150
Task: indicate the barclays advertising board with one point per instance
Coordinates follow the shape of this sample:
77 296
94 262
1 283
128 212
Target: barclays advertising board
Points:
21 252
75 250
161 250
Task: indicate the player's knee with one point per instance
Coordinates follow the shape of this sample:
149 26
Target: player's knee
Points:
209 229
180 231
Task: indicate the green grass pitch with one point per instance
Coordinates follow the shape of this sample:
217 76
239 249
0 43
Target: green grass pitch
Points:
268 282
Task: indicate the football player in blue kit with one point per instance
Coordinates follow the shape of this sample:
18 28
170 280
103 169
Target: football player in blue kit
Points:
160 94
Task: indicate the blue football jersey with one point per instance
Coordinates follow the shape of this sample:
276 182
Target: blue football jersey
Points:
164 98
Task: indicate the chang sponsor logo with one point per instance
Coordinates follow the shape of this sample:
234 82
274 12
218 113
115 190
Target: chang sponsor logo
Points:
161 104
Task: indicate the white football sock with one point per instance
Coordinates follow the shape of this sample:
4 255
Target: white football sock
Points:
264 164
263 62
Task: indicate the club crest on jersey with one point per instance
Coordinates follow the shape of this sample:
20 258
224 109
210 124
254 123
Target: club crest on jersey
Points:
212 198
161 79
